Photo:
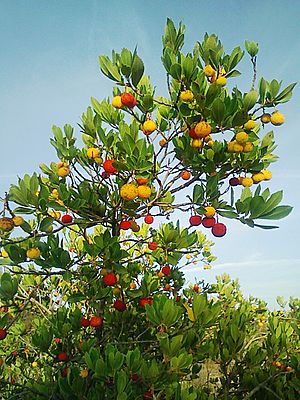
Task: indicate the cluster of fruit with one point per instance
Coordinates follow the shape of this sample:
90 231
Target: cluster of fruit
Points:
129 191
7 224
218 229
263 175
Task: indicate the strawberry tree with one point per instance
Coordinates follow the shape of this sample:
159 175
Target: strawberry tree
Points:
93 298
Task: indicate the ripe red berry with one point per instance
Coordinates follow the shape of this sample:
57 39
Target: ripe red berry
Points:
195 220
128 100
3 333
84 322
96 321
134 377
192 133
64 372
119 305
66 219
178 298
234 181
62 356
166 269
148 395
56 340
208 222
219 230
110 279
125 225
148 219
196 288
105 175
185 175
152 246
108 167
145 300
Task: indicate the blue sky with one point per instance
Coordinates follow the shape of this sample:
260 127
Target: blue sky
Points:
49 71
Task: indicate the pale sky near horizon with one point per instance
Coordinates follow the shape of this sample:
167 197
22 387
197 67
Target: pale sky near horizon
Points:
49 70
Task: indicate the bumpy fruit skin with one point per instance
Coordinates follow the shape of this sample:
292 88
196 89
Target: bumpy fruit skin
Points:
162 142
117 102
6 224
152 245
92 152
265 118
196 143
267 174
209 211
144 191
145 300
221 81
195 220
63 169
108 167
149 219
258 177
234 181
249 125
209 71
141 180
125 225
129 191
219 230
186 95
248 147
241 137
202 129
66 219
84 373
166 269
110 279
18 221
149 127
33 253
208 222
185 175
84 322
119 305
96 321
128 100
192 133
247 182
62 356
3 333
277 118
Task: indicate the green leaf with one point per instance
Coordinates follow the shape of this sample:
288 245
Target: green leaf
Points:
137 70
175 71
218 111
250 99
251 47
278 213
286 94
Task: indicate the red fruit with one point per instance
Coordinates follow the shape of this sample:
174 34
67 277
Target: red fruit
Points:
84 322
148 395
178 298
134 377
110 279
64 372
208 222
105 175
66 219
108 167
196 288
141 181
62 356
185 175
119 305
152 246
192 133
195 220
145 300
14 353
125 225
166 269
56 340
3 333
96 321
219 230
148 219
234 181
128 100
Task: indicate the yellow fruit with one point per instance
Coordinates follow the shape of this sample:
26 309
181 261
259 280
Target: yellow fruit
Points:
249 125
196 143
149 126
221 81
160 274
258 177
202 129
237 147
34 364
186 95
167 287
33 253
207 266
144 191
230 147
188 256
54 214
84 372
265 118
207 138
247 147
92 153
117 102
208 70
210 143
246 182
241 137
132 285
4 253
6 224
55 194
116 291
63 171
162 142
277 118
209 211
267 174
222 72
18 221
129 191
